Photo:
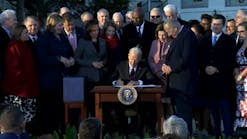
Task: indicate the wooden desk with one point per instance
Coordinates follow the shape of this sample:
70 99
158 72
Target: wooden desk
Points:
109 94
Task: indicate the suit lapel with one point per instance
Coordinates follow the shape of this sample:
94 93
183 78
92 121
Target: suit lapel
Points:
220 40
126 71
139 72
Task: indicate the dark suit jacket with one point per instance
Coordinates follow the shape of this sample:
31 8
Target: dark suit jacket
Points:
221 56
142 73
51 70
130 38
79 34
86 54
4 41
181 57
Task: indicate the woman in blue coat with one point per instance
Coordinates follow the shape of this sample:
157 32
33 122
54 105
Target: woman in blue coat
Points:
55 56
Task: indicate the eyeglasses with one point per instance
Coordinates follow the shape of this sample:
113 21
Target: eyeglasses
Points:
158 16
241 31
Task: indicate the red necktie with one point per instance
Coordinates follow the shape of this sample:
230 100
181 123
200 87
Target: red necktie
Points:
132 75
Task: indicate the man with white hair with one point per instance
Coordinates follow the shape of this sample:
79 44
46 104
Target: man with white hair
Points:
63 10
133 71
128 17
170 11
85 17
118 21
177 126
8 22
31 23
241 16
103 18
180 68
156 16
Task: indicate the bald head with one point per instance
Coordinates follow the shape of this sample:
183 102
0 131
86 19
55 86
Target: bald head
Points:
138 16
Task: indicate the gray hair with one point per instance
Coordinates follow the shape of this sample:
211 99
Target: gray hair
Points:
136 50
84 14
155 9
176 125
172 23
90 129
117 14
170 8
102 10
244 11
30 18
5 15
12 119
128 13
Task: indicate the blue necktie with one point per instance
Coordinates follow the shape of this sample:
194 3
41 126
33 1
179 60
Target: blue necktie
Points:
139 32
214 39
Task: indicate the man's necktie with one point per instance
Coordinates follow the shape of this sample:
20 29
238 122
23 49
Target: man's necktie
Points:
119 33
161 49
34 39
72 41
132 74
139 32
214 39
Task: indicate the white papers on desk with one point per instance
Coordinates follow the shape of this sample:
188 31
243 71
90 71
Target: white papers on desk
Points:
136 86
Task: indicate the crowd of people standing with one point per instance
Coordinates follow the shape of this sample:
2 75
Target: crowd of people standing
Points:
198 64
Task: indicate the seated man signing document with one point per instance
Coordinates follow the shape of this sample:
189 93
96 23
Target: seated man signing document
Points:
133 72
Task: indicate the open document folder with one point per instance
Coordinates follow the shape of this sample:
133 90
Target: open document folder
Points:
136 86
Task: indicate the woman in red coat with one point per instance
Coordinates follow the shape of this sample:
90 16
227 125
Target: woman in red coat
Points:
20 83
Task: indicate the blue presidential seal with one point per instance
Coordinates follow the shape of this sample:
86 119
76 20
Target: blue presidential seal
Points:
127 95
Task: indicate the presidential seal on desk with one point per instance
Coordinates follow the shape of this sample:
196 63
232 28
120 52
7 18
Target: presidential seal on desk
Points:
127 95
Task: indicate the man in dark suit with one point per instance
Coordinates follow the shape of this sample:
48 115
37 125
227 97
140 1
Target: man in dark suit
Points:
8 22
217 58
72 32
31 23
140 32
181 69
133 72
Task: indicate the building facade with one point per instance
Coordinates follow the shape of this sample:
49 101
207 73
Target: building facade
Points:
192 9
